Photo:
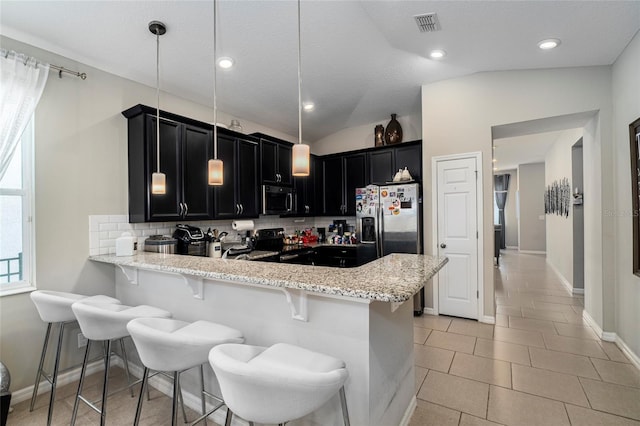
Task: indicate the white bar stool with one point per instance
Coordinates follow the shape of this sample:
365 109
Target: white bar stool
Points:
276 384
54 307
169 345
106 322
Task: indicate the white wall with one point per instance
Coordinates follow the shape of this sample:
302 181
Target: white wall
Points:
532 218
361 137
80 170
457 117
626 105
558 165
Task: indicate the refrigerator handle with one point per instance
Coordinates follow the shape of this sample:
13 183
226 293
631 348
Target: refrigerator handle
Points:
380 231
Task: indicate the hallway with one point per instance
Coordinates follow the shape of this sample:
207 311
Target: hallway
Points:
539 365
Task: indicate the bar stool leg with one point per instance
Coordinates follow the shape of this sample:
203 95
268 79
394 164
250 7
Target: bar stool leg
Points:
39 373
54 380
345 412
176 391
227 420
105 385
145 378
204 403
80 383
126 365
184 412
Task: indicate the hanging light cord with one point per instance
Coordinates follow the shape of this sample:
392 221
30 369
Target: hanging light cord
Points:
158 98
299 82
215 112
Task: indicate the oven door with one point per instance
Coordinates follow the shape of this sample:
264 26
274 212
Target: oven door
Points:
277 199
306 257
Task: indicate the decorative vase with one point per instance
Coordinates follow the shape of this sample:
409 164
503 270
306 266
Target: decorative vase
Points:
379 133
393 133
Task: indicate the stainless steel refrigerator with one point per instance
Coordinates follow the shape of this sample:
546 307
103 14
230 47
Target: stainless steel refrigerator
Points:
390 216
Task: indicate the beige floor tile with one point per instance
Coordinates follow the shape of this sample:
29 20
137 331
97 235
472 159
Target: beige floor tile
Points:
487 370
520 409
502 320
554 307
509 310
503 351
617 372
587 417
427 413
575 346
578 309
456 393
615 399
520 337
544 315
574 330
549 384
434 322
420 373
471 328
563 362
451 341
613 352
468 420
433 358
574 318
532 324
578 301
420 335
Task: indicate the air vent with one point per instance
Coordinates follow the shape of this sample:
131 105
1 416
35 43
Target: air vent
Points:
428 22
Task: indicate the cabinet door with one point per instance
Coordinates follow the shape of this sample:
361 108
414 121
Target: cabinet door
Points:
269 161
332 186
164 207
306 190
355 177
411 158
225 203
381 166
284 163
247 184
197 149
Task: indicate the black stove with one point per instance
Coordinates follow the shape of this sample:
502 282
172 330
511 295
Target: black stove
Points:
272 239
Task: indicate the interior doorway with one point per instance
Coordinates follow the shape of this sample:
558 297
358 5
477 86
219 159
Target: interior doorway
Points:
577 172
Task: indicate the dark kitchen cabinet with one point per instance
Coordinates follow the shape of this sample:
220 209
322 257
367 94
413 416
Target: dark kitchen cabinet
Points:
185 148
276 161
381 166
385 162
341 176
346 256
409 156
307 193
238 196
355 172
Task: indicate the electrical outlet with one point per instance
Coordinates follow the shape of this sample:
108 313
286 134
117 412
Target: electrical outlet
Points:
82 341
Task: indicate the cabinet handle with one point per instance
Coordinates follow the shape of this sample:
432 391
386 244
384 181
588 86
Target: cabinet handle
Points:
181 209
186 209
241 209
237 208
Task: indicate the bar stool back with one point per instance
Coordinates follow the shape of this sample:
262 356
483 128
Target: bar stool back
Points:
276 384
106 322
54 307
170 345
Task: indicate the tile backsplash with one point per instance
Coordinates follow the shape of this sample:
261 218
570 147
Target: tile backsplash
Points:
104 229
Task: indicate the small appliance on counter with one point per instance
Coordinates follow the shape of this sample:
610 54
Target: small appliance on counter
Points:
272 239
191 240
160 244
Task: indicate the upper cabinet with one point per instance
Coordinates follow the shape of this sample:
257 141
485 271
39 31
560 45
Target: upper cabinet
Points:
385 162
342 174
275 158
185 148
307 189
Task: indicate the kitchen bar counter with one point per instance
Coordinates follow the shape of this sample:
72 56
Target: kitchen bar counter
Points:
393 278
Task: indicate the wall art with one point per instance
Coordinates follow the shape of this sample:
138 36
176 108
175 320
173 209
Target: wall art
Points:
634 145
557 198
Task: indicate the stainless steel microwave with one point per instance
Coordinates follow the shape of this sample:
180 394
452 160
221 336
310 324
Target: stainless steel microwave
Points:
278 199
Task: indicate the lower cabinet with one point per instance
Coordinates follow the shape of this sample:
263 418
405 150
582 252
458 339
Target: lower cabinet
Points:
347 256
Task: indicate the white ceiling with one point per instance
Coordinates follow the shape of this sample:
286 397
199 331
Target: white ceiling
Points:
361 60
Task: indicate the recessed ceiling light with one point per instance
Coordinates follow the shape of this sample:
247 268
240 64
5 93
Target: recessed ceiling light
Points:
225 62
437 54
549 43
308 106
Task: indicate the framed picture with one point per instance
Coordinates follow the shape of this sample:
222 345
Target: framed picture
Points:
634 140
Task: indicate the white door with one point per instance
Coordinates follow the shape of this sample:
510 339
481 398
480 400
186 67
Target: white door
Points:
458 237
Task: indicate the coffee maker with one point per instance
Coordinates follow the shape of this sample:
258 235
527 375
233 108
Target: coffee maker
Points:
340 225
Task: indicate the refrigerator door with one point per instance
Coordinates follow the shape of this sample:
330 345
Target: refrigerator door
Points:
367 224
400 217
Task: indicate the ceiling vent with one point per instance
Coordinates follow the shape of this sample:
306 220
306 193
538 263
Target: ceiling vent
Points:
428 22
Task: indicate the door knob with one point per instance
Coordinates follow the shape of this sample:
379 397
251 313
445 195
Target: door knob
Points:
443 245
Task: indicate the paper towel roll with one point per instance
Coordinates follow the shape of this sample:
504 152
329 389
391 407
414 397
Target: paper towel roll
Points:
242 225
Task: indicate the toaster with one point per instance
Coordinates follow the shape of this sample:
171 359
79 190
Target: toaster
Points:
191 240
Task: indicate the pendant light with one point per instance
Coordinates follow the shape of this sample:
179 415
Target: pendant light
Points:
300 154
215 166
158 179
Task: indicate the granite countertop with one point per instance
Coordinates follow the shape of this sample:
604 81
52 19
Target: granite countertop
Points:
392 278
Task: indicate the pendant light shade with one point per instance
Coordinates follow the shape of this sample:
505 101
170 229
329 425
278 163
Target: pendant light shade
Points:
215 166
300 164
158 179
300 153
216 172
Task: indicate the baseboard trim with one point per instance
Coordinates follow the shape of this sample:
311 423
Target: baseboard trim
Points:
532 251
512 247
578 291
430 311
406 418
563 280
635 359
487 319
609 336
592 323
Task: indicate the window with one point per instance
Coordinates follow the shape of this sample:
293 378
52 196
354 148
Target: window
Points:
16 219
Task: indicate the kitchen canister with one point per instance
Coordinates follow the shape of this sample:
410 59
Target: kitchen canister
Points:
215 249
125 244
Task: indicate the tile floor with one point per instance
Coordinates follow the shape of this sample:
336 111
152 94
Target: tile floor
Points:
539 365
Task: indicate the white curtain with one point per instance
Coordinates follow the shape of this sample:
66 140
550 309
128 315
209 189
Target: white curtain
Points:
22 80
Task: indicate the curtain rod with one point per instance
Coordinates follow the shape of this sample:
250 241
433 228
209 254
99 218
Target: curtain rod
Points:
82 75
